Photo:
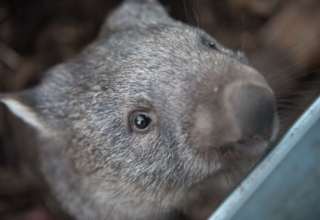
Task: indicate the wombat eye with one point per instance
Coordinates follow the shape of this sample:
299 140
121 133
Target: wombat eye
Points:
209 43
140 121
212 45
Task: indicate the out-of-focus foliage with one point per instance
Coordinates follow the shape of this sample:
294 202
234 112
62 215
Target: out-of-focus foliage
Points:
281 38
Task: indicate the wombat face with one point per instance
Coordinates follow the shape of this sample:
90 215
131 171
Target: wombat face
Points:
155 109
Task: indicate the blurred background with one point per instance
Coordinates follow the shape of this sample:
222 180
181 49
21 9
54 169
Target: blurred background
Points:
280 37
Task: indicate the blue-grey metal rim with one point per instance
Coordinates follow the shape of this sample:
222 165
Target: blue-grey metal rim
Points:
286 184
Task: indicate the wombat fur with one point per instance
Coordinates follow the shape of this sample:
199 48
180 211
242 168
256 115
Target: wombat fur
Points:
95 165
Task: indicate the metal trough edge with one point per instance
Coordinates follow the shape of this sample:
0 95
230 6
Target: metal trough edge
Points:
249 186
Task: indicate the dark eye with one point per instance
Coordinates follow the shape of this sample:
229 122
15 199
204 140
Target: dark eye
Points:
212 45
209 43
140 121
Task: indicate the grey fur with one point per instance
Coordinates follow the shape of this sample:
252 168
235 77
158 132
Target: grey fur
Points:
99 169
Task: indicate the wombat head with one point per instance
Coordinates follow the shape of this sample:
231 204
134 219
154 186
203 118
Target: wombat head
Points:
150 110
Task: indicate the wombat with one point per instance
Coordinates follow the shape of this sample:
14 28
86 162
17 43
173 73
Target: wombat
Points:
154 120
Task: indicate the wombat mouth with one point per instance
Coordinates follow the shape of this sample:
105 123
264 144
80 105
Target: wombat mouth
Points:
236 154
246 148
237 158
253 146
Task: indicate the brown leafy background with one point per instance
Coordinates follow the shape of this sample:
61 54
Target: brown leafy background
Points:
280 37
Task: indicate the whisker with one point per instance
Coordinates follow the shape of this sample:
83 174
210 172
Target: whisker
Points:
195 11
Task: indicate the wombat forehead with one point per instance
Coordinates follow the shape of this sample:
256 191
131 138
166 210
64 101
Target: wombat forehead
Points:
168 59
162 58
169 48
154 38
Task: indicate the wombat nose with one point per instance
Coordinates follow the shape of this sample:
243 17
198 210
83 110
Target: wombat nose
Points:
253 110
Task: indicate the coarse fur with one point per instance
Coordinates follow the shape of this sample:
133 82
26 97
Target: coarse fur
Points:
95 165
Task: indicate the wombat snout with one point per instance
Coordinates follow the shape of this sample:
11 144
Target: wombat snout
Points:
253 109
244 111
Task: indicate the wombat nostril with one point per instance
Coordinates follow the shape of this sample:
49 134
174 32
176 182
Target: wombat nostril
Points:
253 109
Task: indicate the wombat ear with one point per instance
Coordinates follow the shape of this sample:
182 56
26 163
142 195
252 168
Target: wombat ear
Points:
135 13
18 107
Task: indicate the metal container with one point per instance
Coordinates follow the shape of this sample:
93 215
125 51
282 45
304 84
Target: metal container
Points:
286 184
